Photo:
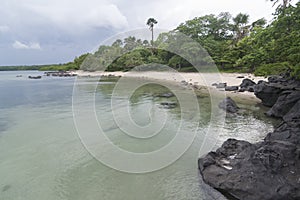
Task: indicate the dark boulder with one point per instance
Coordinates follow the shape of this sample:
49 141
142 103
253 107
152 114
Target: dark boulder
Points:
242 90
284 103
293 114
246 83
231 88
267 93
228 105
268 170
276 79
250 89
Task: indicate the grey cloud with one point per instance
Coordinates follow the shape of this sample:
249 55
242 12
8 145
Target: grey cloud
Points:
32 45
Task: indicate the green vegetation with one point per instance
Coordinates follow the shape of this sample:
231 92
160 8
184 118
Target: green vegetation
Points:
233 43
18 68
75 65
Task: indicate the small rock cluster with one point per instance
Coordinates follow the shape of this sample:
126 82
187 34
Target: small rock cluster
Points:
246 85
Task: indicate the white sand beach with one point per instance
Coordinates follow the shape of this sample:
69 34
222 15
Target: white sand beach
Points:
196 79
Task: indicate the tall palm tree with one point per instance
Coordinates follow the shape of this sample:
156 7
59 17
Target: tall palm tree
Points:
150 23
240 26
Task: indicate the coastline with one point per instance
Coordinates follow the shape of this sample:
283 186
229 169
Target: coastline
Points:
201 81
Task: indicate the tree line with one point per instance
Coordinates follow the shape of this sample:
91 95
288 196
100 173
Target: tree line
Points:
233 44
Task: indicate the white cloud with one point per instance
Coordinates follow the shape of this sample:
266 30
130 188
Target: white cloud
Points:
79 16
20 45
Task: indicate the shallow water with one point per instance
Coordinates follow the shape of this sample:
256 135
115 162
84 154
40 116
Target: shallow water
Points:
43 157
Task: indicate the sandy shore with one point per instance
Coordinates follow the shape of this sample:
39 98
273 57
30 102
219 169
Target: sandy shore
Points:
196 79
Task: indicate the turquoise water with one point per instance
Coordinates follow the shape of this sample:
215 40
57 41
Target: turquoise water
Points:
43 157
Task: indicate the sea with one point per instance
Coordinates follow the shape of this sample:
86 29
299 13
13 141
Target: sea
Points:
111 138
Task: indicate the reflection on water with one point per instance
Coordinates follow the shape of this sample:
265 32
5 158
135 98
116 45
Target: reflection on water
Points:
43 158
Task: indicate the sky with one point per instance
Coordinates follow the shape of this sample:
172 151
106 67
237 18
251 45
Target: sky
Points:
55 31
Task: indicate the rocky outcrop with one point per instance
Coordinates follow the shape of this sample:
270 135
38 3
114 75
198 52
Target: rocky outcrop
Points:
284 103
228 105
267 93
267 170
270 91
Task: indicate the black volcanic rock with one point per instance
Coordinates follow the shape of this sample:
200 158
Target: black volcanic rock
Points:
231 88
246 83
293 114
267 93
267 170
228 105
284 103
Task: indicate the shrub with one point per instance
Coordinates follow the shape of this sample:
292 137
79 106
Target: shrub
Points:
273 69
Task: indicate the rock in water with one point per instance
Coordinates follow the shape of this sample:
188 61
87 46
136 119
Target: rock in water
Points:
228 105
168 105
231 88
166 95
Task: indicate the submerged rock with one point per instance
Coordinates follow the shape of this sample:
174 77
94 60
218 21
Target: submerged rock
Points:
228 105
166 95
169 105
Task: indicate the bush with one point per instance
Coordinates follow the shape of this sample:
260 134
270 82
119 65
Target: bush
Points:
296 72
273 69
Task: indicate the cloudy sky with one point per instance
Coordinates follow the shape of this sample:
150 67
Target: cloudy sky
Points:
55 31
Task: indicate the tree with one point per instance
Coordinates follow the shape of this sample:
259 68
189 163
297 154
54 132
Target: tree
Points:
284 4
150 23
240 27
117 43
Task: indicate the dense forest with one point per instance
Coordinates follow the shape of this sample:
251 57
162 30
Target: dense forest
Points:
233 43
